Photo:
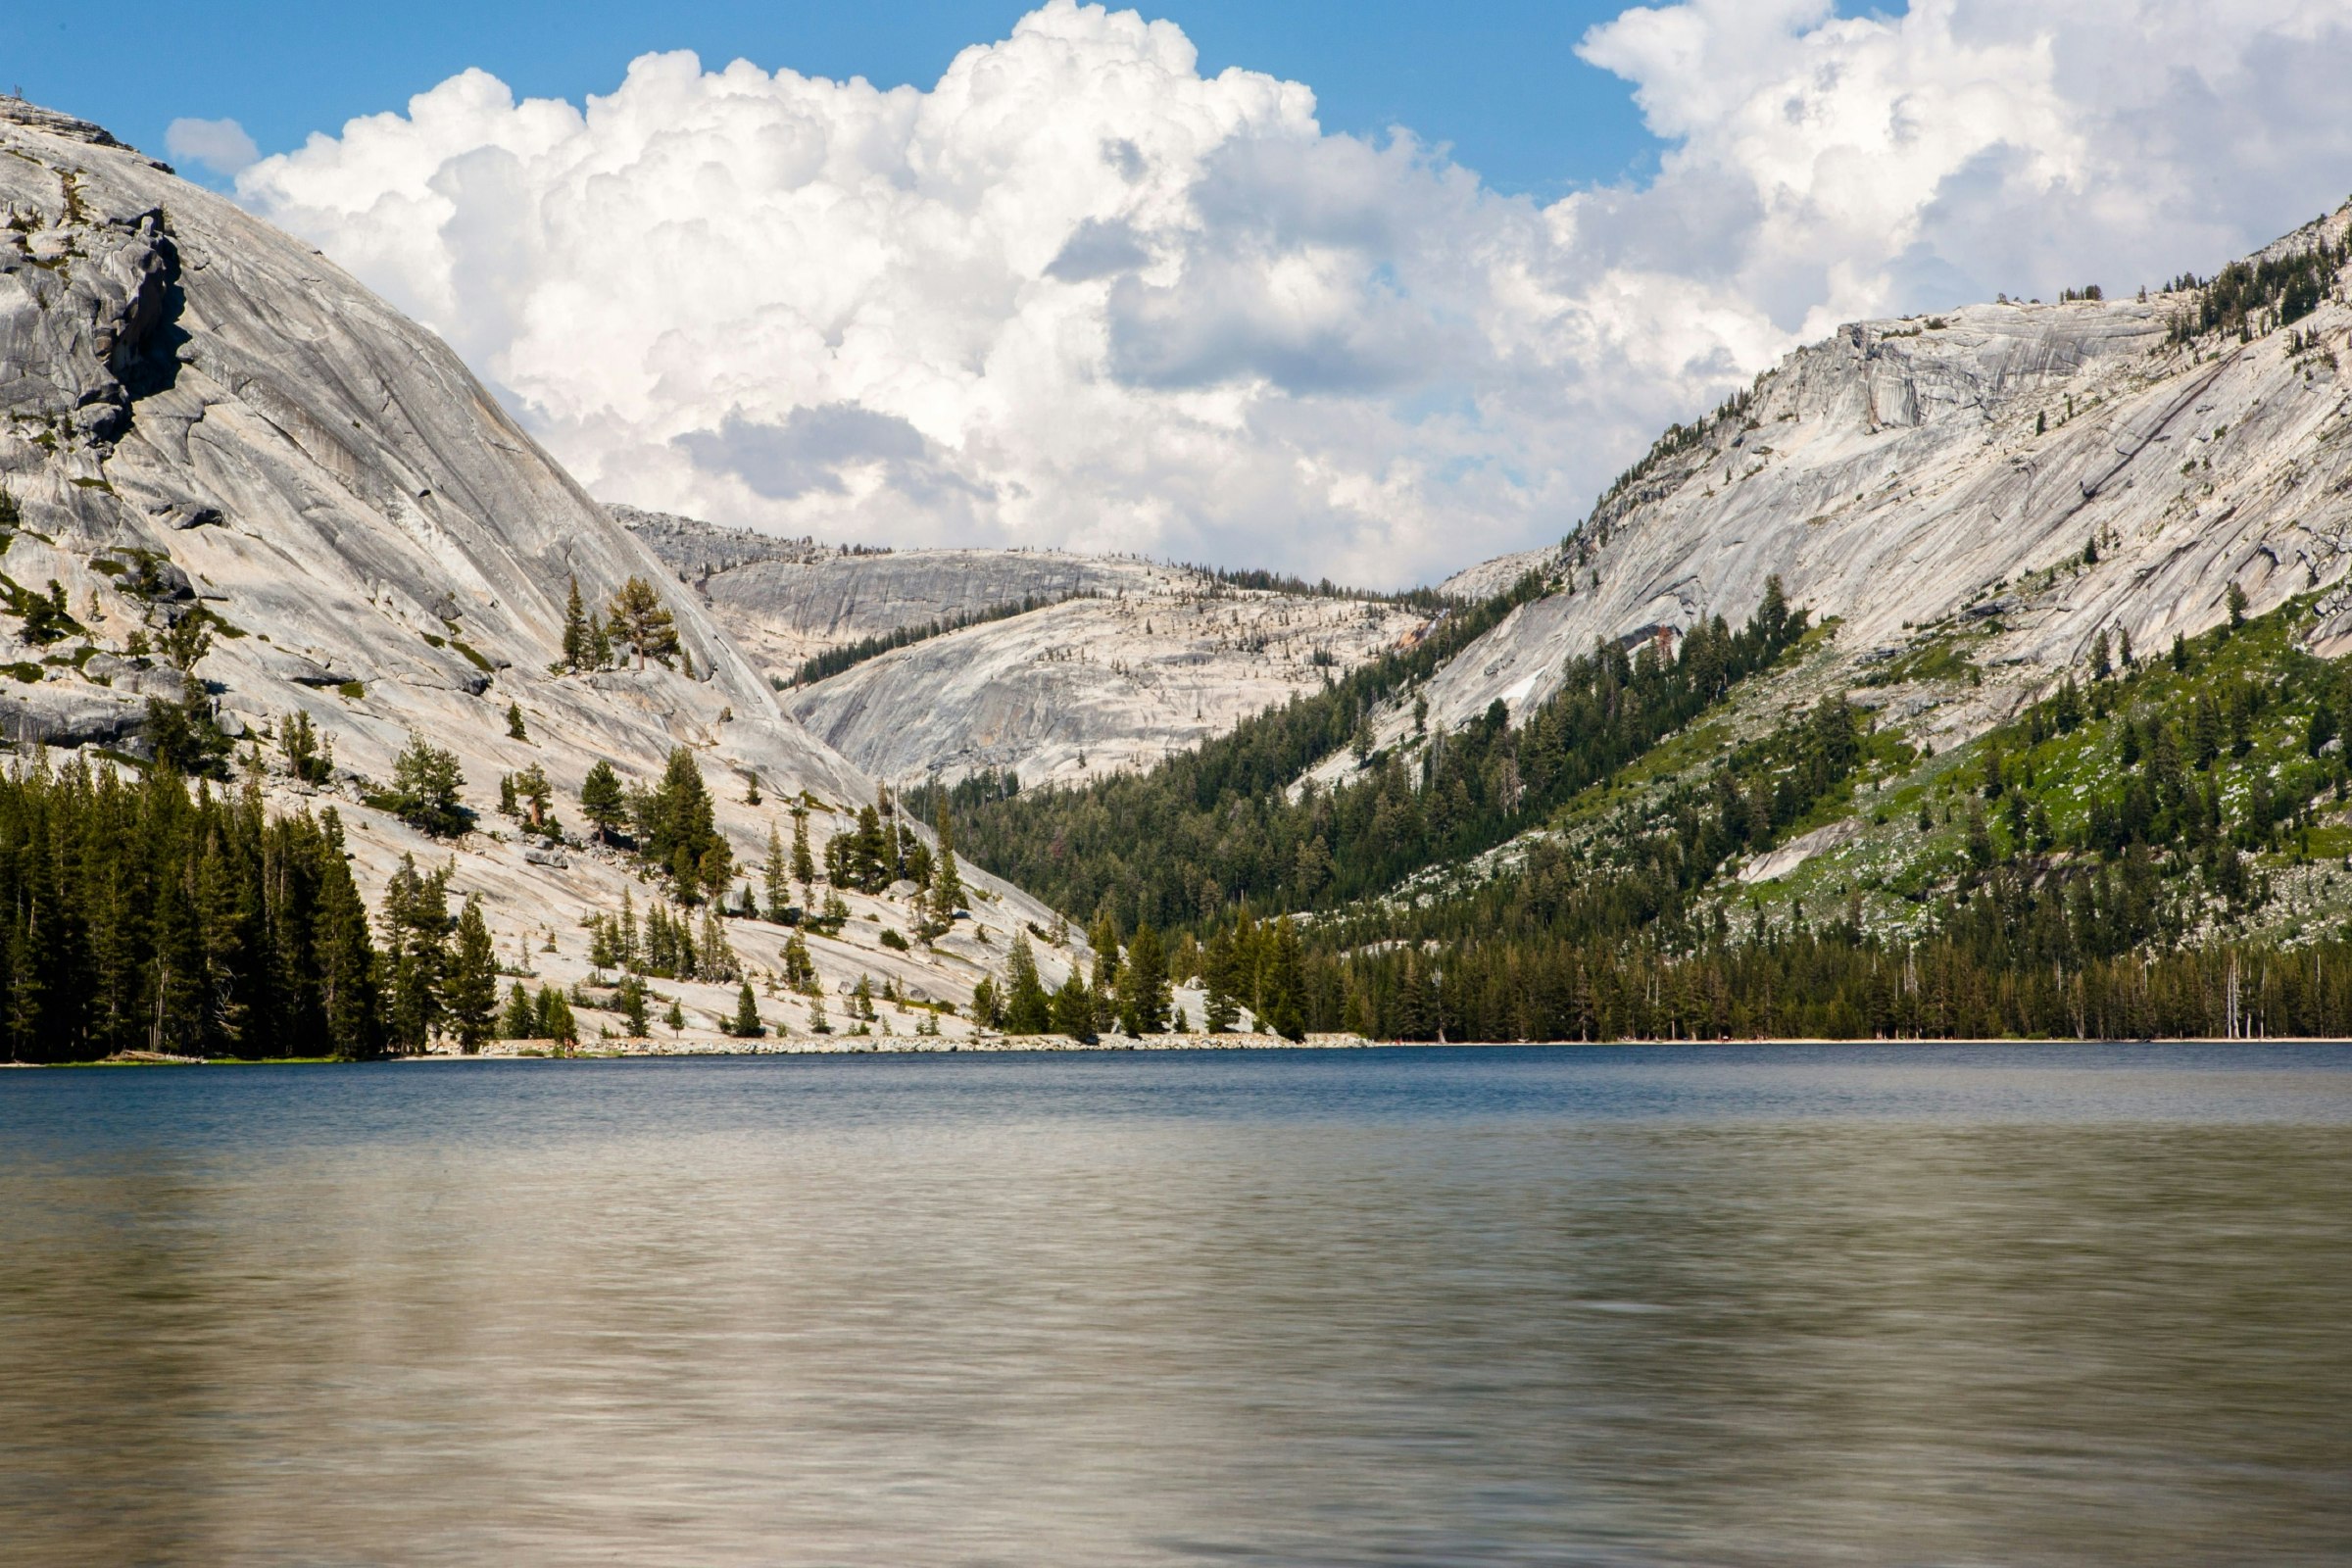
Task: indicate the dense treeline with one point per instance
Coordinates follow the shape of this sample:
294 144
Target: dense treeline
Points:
139 916
1218 829
2073 868
1830 984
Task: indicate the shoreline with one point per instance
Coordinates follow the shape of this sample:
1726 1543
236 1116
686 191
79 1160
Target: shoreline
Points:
1023 1045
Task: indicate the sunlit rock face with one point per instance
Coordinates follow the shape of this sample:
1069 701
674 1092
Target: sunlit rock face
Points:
1118 662
198 413
1904 473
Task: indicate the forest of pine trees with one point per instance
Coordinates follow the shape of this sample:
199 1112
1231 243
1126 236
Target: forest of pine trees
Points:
1218 829
149 915
2101 827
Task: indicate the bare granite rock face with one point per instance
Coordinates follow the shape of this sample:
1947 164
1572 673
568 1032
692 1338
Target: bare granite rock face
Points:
201 415
695 551
787 600
1912 477
1093 685
1120 663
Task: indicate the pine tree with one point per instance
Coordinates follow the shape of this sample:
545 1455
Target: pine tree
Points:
947 886
577 644
535 799
307 759
803 864
800 971
514 727
675 1017
414 917
774 876
638 619
985 1010
345 958
470 993
747 1024
626 952
1028 1009
1144 988
714 957
1284 1010
1220 1012
1074 1010
631 996
681 833
1104 938
556 1020
425 781
944 894
603 802
519 1021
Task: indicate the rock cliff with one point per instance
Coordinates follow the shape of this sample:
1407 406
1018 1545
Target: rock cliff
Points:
1097 684
1122 661
1926 476
200 415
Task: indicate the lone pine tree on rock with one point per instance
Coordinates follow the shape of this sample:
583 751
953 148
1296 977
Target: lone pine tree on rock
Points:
638 619
746 1024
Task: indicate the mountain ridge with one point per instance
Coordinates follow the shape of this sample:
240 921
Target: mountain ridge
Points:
206 424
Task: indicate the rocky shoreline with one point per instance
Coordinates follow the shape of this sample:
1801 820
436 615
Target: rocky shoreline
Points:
701 1044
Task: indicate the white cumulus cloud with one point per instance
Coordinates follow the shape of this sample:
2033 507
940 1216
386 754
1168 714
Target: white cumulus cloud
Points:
219 145
1077 293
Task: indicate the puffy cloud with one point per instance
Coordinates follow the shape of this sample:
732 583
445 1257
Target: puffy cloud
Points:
1830 168
1077 293
219 145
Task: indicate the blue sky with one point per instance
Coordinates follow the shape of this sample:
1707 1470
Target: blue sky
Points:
1499 80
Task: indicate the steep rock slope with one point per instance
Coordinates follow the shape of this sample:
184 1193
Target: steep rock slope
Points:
1123 661
1095 684
198 413
800 601
1915 476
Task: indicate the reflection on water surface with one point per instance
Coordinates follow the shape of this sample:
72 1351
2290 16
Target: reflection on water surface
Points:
1746 1306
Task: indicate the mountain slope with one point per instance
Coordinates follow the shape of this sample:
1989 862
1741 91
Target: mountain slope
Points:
1097 684
1904 473
2064 753
199 415
1118 662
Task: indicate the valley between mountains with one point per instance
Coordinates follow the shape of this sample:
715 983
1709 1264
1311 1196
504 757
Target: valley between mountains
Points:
1974 673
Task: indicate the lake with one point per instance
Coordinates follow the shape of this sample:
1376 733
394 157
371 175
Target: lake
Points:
1596 1306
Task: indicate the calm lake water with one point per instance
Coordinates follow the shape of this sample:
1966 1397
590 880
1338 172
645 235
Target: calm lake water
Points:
2029 1304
